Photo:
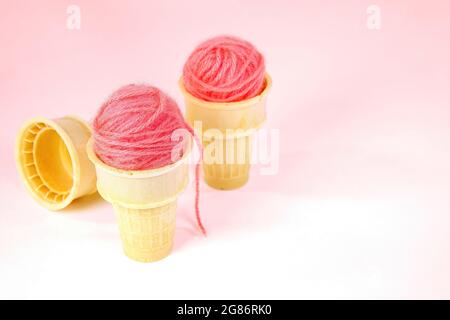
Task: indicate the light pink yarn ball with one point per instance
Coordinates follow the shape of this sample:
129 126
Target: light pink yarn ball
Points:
133 128
224 69
133 131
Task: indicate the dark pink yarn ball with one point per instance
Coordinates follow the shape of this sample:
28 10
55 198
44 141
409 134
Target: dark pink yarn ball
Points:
224 69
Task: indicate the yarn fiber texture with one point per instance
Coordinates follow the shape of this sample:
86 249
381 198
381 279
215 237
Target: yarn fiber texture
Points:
133 131
224 69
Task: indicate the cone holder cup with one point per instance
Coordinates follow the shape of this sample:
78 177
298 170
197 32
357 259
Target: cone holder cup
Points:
52 161
236 123
144 203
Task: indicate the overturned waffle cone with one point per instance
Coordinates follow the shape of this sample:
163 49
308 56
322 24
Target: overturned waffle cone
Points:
52 161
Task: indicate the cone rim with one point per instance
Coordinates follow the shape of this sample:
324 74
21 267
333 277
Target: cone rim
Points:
236 105
138 174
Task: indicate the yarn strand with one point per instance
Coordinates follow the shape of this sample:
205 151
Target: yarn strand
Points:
197 180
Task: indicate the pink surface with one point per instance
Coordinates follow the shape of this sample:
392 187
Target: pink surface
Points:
360 205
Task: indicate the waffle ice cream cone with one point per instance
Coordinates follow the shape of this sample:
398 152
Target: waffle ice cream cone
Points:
52 161
236 122
144 203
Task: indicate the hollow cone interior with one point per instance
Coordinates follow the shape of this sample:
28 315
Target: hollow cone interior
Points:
52 160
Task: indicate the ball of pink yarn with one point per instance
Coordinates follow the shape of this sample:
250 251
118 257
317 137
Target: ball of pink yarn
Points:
133 128
133 131
224 69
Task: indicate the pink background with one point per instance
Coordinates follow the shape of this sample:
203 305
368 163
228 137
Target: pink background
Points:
360 207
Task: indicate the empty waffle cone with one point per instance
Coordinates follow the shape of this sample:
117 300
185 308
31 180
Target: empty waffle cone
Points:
52 161
242 117
144 203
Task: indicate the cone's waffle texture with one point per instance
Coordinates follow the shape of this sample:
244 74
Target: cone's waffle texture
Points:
51 158
247 116
147 234
233 171
144 203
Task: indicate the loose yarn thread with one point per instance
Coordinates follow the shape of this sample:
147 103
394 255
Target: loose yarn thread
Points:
133 130
224 69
